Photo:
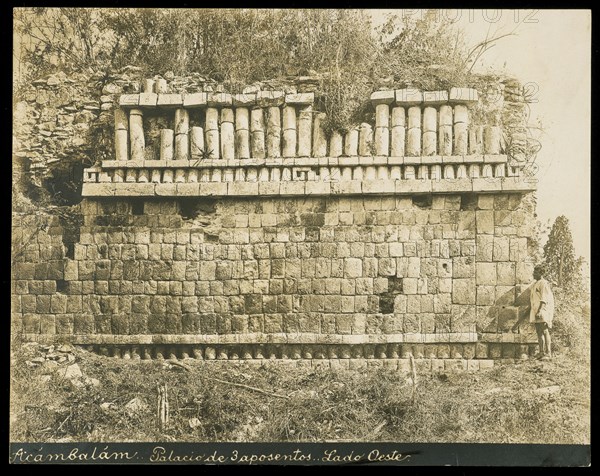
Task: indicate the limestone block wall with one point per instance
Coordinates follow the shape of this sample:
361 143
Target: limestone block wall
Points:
442 272
222 226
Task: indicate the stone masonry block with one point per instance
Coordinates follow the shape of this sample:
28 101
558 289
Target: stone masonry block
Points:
43 304
505 295
463 291
506 274
524 272
353 268
463 318
442 303
501 248
485 221
485 202
410 285
486 274
463 267
484 248
481 350
31 323
485 295
507 317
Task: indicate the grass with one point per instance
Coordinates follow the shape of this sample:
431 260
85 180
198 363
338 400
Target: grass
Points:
495 406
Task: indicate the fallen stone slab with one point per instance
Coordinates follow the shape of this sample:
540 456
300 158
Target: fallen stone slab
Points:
547 390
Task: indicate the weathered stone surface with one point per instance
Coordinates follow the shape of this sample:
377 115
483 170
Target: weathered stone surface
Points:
227 139
463 95
435 98
341 266
506 274
382 97
270 98
244 100
219 99
212 132
169 100
129 100
408 97
365 141
463 291
289 131
300 99
136 134
194 100
305 131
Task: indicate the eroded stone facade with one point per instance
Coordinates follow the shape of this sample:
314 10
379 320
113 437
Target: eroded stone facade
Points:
409 236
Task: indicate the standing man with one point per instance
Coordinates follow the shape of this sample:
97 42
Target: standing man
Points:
542 312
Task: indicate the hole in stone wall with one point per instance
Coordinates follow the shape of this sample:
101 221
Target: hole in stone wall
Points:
210 238
422 201
395 285
386 303
137 206
64 183
70 221
192 208
61 286
468 201
154 121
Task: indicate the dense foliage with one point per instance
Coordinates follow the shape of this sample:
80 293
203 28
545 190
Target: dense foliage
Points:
241 46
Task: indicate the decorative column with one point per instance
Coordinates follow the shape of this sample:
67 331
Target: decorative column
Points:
257 133
411 99
461 125
336 144
365 140
460 98
273 132
161 86
445 131
381 100
136 134
475 140
242 134
429 131
196 142
319 140
491 140
182 128
413 143
121 135
289 131
432 100
398 131
212 132
351 143
166 144
148 85
304 131
382 129
227 134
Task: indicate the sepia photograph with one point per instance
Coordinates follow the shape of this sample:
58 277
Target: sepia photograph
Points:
300 236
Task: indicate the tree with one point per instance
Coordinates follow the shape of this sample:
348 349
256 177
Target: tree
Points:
559 254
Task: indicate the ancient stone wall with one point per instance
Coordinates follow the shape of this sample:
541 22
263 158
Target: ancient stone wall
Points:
229 226
308 271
